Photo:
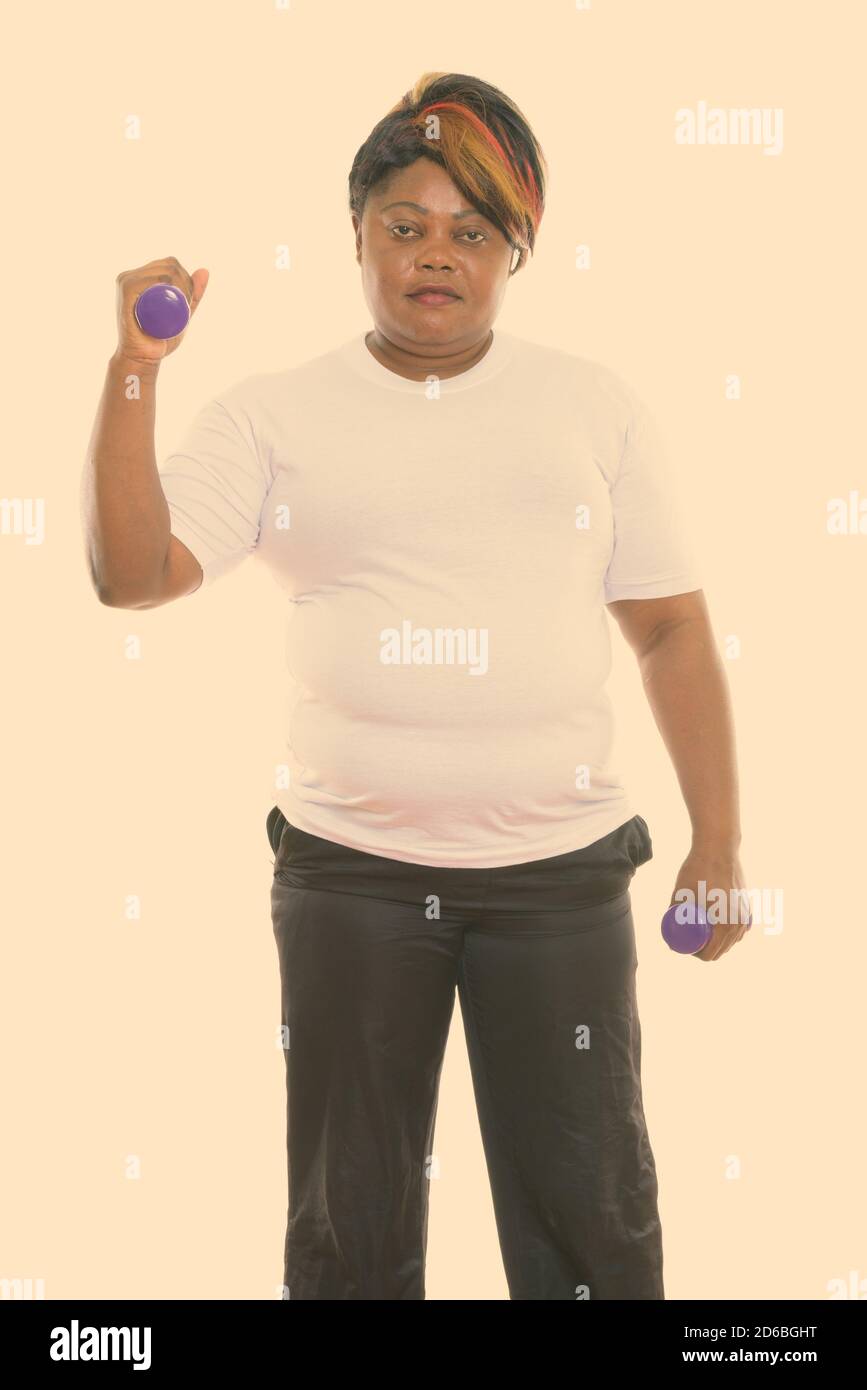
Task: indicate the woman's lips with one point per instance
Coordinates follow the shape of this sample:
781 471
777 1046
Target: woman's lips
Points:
428 297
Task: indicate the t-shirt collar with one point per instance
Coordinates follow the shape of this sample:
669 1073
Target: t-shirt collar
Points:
358 356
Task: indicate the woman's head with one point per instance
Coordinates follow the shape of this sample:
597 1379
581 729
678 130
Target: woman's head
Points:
461 152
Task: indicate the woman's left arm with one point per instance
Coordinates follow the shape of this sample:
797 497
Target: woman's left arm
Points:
687 691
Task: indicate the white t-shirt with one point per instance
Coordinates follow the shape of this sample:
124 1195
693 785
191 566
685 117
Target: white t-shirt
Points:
446 550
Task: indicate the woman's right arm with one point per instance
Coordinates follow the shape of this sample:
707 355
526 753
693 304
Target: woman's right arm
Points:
134 560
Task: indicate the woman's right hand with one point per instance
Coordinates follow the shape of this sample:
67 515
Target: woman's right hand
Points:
132 343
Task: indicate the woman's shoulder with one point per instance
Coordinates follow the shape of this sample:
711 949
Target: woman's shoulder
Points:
589 380
277 388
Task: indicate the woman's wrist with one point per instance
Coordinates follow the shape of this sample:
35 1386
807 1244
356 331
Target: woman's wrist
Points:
718 838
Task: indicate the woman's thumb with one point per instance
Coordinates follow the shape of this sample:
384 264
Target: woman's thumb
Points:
200 280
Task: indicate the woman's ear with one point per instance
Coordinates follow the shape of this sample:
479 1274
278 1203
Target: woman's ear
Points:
356 227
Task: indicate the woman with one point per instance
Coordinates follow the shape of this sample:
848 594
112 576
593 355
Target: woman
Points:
449 509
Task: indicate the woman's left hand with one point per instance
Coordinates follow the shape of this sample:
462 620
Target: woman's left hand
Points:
720 869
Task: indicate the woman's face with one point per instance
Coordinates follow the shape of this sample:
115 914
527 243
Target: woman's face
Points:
418 229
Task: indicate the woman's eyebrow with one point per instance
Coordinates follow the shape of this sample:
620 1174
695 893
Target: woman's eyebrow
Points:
404 203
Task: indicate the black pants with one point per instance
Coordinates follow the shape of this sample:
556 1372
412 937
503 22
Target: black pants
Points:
543 957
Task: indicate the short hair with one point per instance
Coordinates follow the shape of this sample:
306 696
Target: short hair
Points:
483 142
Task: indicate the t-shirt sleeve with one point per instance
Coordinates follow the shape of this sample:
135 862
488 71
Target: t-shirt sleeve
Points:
653 555
215 483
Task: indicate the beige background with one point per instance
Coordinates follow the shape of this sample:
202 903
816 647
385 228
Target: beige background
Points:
153 1041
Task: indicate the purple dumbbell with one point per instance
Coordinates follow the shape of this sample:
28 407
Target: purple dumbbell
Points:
685 928
162 311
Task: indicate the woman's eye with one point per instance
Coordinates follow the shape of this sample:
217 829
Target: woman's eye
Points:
471 231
